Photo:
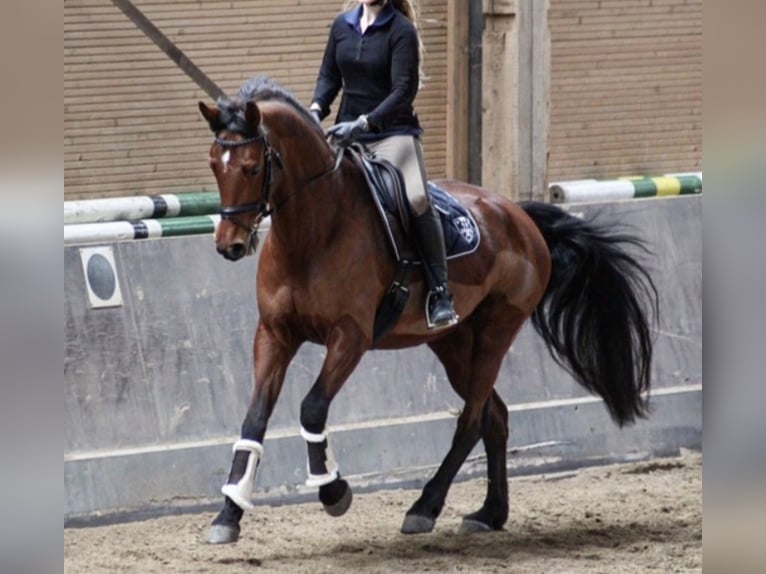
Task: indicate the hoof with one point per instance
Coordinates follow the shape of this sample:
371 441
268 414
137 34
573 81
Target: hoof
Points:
417 524
339 508
473 526
222 534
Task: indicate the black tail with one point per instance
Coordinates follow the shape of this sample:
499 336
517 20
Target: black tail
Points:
596 313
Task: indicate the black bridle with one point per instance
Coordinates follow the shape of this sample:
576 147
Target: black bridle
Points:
263 208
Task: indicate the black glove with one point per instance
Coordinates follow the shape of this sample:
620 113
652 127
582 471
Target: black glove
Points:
316 115
346 132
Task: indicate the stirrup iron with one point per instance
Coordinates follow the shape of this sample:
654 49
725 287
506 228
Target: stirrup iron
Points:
440 323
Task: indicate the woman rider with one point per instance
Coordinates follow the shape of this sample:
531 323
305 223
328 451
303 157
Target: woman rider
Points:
373 53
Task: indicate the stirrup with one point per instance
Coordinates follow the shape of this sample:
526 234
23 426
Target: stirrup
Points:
447 316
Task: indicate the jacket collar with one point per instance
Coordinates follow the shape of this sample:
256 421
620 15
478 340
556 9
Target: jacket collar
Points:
353 17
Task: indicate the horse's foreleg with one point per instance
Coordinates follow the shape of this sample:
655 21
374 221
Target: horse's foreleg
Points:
345 348
272 354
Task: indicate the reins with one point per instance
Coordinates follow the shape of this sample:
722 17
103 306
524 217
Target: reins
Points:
309 181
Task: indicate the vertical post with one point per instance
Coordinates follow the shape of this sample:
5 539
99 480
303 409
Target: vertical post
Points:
516 70
500 97
475 112
541 99
525 124
458 74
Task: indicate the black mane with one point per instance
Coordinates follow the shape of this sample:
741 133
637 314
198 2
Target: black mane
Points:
258 88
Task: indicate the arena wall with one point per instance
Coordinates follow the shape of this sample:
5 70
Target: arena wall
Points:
157 384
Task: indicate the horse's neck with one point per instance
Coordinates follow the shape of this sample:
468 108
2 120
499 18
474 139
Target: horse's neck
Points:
309 194
292 135
324 212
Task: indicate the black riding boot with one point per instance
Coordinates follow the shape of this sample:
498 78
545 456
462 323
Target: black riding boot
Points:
440 312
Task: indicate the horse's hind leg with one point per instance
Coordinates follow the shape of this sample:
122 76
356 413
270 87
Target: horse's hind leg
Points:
494 512
472 356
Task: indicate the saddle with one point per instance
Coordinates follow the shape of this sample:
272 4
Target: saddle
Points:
385 182
386 185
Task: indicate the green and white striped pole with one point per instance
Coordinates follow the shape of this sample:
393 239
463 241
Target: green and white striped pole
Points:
585 190
111 231
141 207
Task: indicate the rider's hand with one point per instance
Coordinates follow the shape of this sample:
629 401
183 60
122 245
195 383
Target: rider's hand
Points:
316 115
346 132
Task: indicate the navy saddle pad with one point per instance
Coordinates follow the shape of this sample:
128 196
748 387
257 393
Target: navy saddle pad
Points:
461 234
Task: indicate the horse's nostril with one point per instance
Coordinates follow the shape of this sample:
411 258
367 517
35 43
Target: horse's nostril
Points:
237 251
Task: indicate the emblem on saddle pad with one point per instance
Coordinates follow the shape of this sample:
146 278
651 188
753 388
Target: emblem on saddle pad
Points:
465 227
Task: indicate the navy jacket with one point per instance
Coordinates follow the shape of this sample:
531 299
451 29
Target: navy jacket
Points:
378 71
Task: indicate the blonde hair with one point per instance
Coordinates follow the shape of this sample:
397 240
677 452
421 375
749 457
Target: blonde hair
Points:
410 11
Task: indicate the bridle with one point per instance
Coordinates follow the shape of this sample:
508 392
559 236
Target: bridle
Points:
261 208
264 208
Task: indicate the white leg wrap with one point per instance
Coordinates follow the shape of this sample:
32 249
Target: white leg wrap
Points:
321 458
241 492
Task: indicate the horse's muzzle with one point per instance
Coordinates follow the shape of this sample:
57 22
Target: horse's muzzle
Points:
233 252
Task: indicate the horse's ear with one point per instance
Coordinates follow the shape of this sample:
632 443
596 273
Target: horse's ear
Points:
252 115
213 117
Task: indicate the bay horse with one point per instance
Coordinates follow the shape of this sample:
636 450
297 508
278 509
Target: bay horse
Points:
325 266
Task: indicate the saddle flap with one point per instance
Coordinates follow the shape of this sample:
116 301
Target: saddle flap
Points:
386 185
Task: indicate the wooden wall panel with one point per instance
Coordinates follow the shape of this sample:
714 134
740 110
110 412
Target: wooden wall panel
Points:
131 124
626 88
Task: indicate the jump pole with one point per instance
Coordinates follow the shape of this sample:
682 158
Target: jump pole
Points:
579 191
141 207
115 231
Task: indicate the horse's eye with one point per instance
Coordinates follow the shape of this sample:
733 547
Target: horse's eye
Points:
251 170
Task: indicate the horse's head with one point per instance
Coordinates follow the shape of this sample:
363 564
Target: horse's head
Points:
256 177
242 162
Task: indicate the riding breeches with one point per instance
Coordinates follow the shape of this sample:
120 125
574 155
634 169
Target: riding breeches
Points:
406 153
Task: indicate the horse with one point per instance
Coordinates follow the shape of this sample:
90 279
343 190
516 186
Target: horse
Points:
325 266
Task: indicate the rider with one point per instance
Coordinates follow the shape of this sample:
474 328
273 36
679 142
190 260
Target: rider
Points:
374 53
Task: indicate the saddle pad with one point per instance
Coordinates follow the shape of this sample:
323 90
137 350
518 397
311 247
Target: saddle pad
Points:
461 234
